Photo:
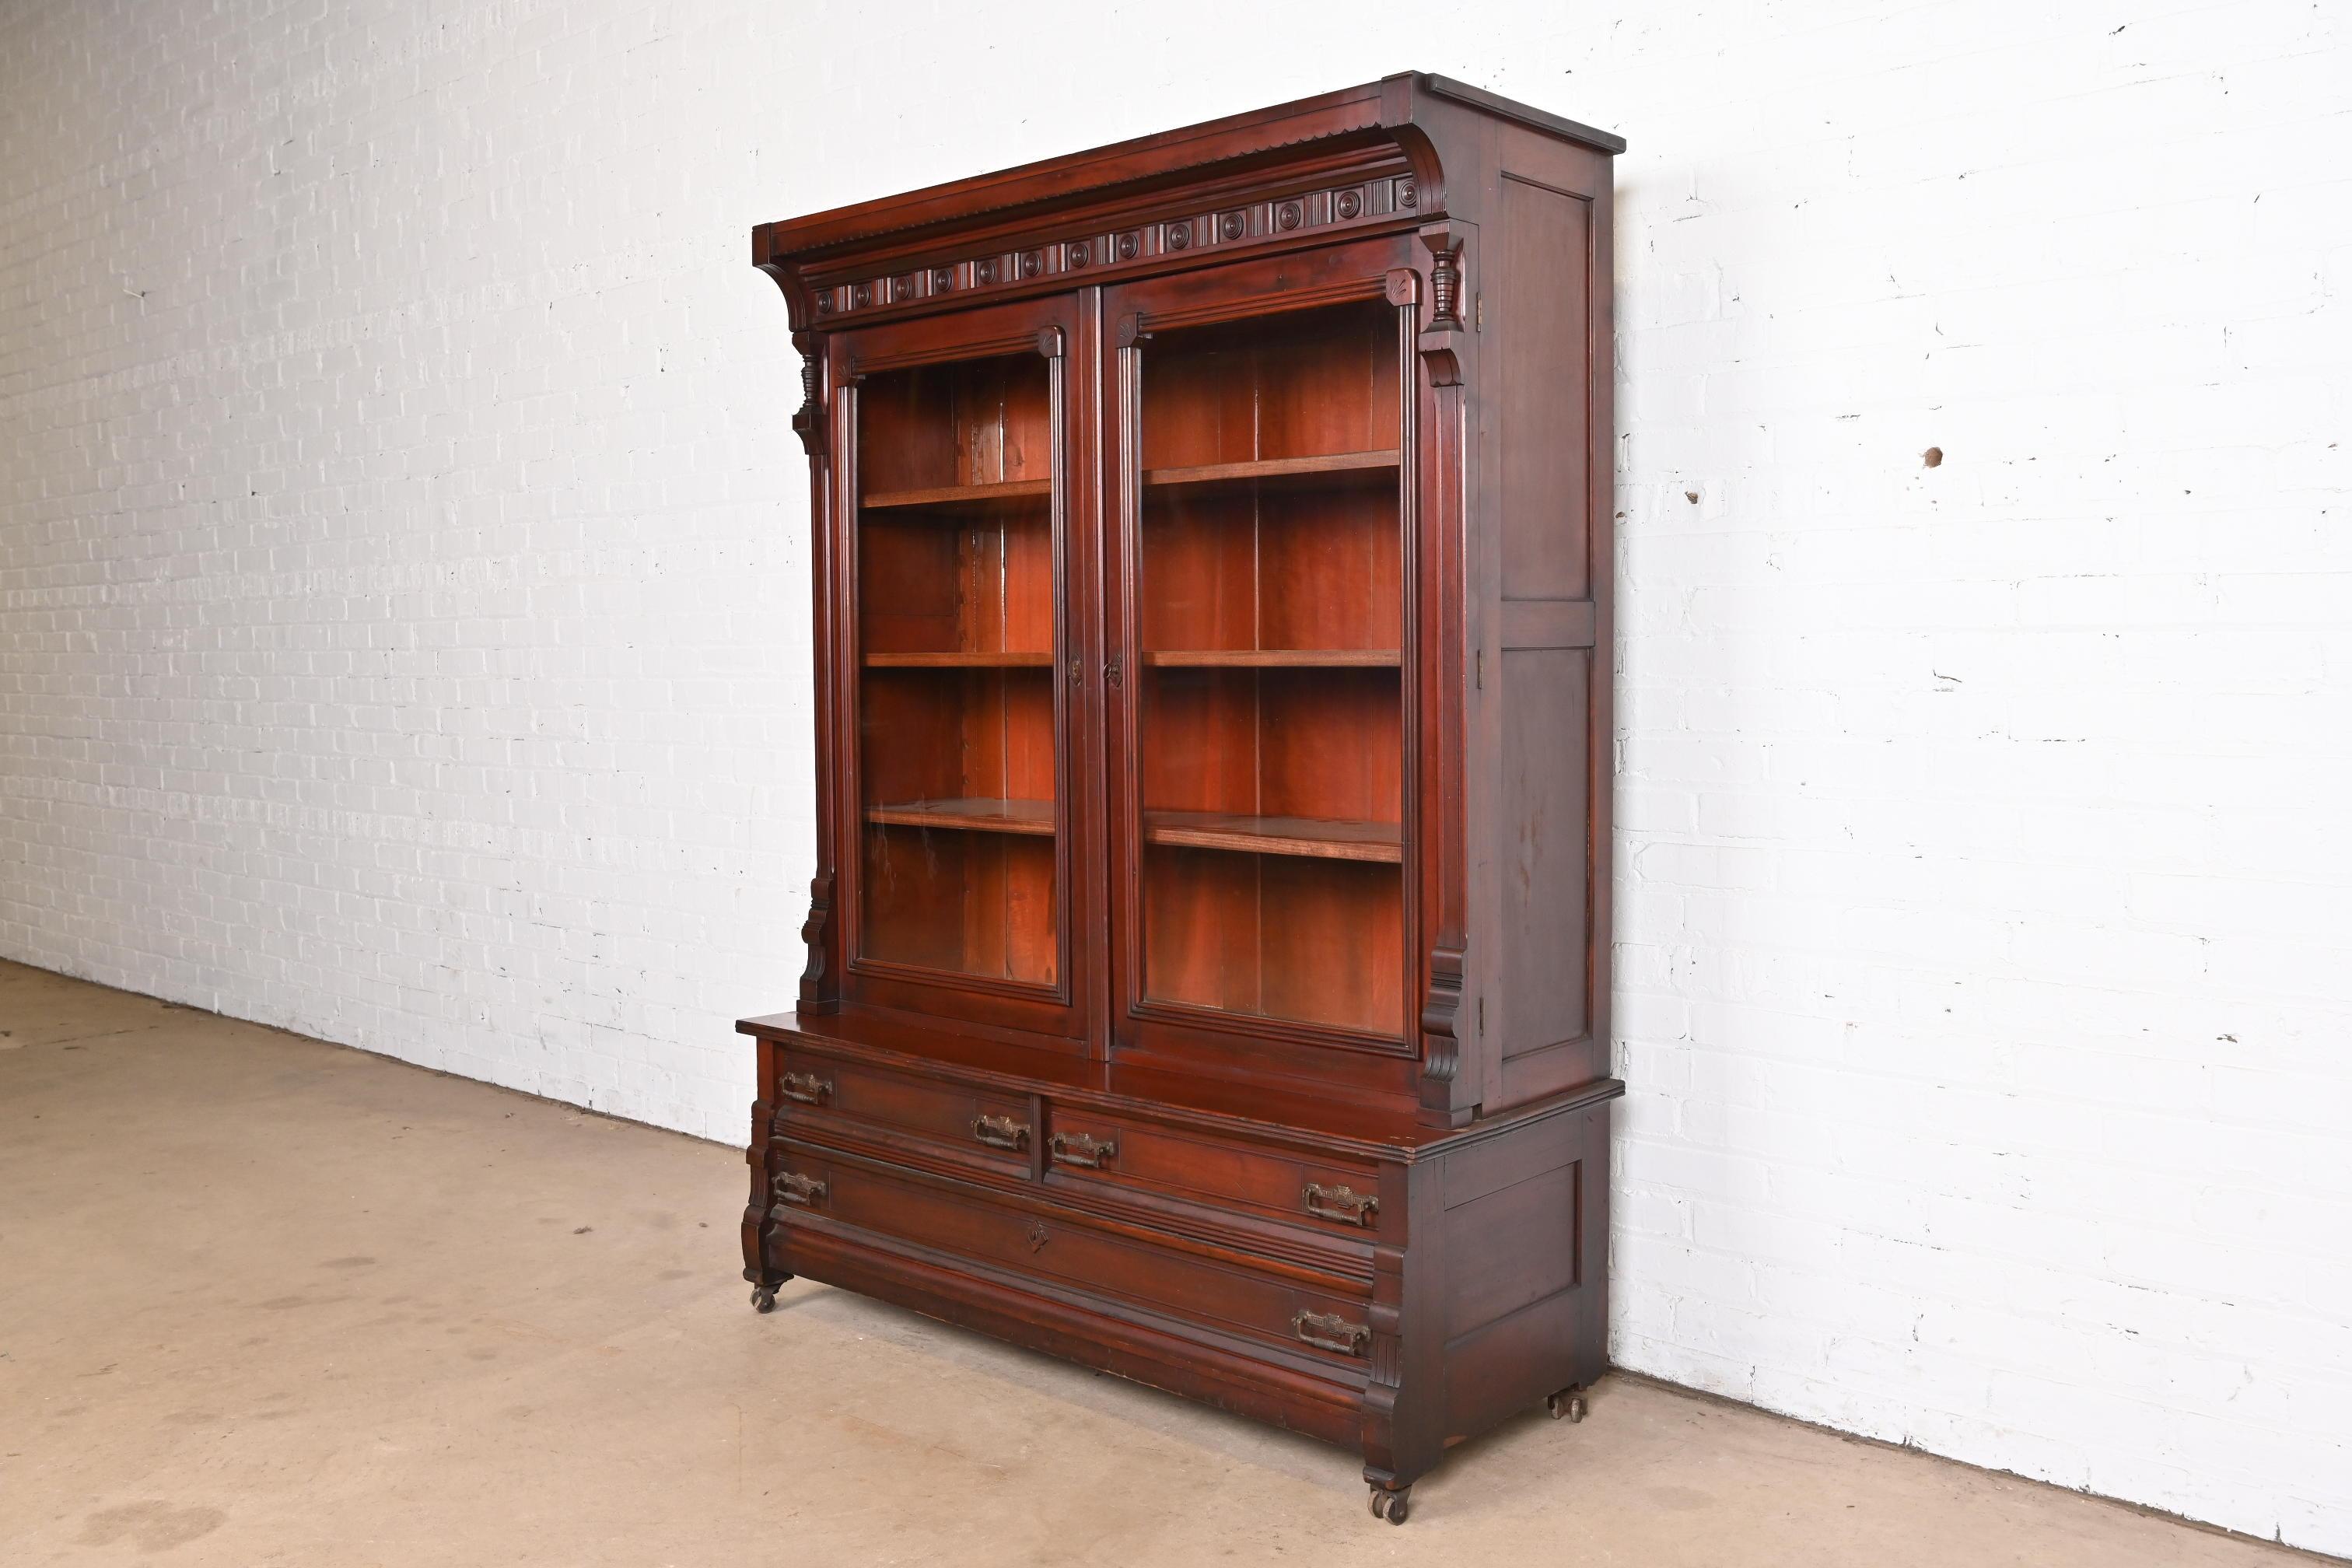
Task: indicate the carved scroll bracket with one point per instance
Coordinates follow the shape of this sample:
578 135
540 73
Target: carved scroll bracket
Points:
813 934
1441 1012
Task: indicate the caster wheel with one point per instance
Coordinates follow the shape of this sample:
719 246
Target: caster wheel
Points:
763 1298
1392 1506
1568 1405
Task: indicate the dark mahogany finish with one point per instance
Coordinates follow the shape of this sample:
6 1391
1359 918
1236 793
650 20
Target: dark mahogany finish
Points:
1208 954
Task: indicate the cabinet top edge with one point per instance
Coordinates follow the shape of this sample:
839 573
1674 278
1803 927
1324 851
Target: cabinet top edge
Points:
1527 114
1372 112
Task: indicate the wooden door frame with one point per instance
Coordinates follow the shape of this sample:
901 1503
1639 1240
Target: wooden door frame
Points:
1339 1061
1056 327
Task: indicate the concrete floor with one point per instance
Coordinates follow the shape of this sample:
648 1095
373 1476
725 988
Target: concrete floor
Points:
263 1300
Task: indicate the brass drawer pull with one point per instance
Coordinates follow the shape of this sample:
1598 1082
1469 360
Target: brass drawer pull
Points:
1343 1204
807 1088
1078 1149
1331 1331
1001 1132
794 1188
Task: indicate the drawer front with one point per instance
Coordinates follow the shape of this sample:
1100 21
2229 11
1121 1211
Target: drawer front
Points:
1336 1197
996 1130
1049 1245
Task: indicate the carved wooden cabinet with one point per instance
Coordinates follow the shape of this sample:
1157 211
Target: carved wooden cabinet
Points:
1207 968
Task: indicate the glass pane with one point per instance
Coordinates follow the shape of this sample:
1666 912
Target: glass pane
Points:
955 574
1272 710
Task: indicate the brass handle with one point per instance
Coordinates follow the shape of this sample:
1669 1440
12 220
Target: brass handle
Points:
1078 1149
1343 1204
807 1088
1331 1331
1001 1132
794 1188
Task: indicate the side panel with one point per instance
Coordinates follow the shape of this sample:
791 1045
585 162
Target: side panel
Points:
1524 1303
1541 344
1545 668
1540 796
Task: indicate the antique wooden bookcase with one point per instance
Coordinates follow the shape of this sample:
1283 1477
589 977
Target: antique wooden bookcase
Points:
1207 968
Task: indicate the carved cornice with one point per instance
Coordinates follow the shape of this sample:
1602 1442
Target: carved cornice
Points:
1129 243
1397 111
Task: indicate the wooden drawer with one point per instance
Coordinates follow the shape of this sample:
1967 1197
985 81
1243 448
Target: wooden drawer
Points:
1327 1317
1334 1197
991 1130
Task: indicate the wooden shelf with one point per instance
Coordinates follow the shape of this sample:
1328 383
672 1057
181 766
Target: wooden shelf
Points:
958 660
1012 495
972 815
1274 658
1330 470
1315 838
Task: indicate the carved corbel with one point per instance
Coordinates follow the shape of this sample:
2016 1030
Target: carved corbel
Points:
1441 1012
809 422
1441 341
814 935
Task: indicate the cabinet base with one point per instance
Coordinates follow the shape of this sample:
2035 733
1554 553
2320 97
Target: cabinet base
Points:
1454 1279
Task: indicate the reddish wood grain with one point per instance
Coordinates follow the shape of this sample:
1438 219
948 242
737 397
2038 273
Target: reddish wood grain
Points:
1212 682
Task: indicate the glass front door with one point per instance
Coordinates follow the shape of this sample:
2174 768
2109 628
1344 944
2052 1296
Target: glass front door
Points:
960 761
1265 542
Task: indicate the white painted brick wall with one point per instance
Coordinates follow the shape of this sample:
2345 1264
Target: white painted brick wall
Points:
405 615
